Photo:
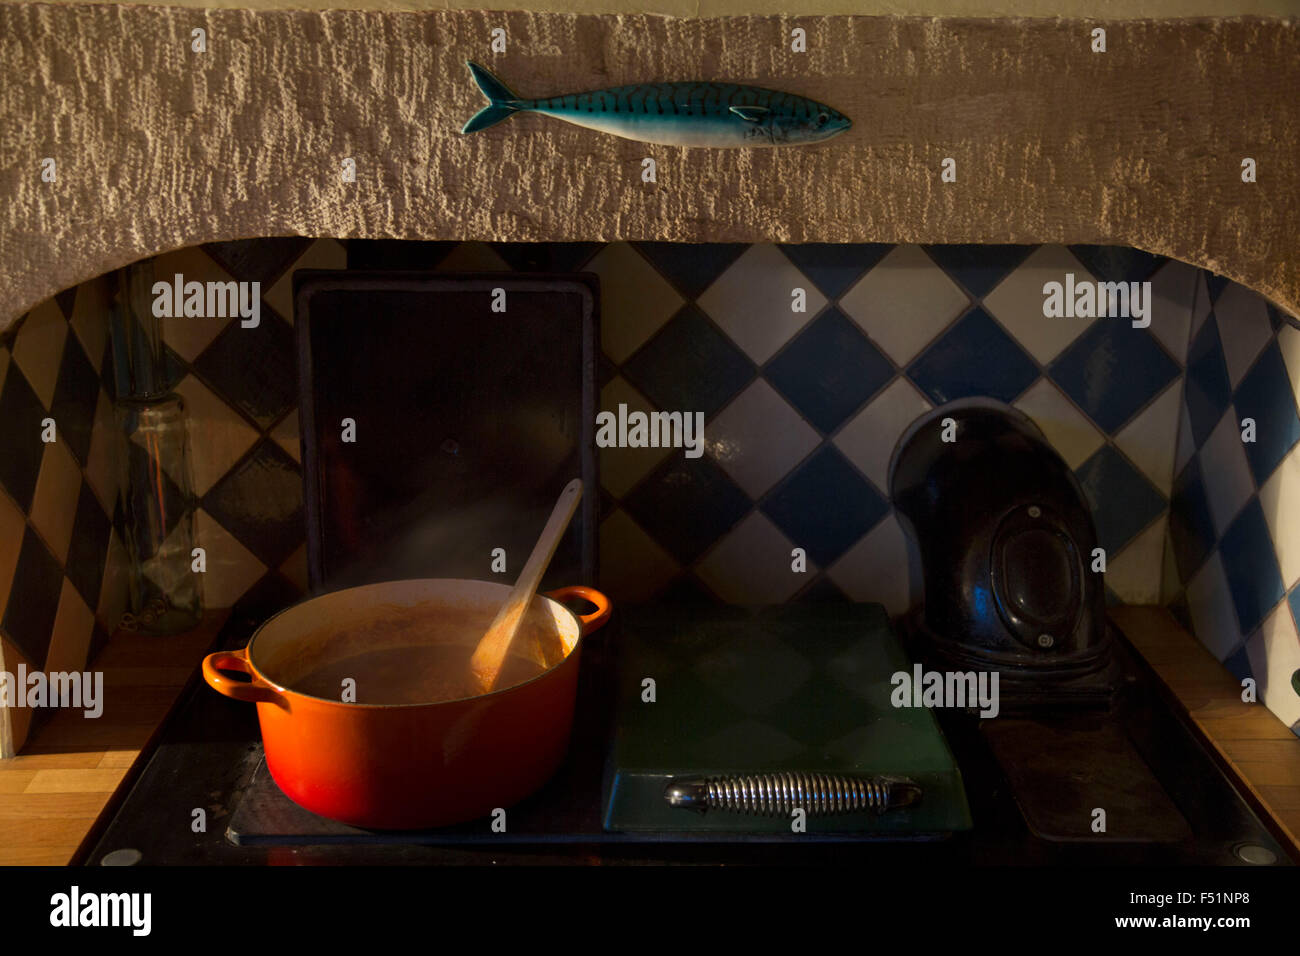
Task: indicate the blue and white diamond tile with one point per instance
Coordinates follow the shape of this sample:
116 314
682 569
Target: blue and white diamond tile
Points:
691 267
829 371
835 267
869 437
1118 263
1147 440
1274 656
753 301
752 564
1225 471
825 505
689 365
1191 523
904 303
974 357
635 300
979 268
1112 371
1209 604
1280 499
1246 315
1251 567
1069 431
1208 387
1264 394
1017 303
1123 501
759 438
687 504
1173 299
874 569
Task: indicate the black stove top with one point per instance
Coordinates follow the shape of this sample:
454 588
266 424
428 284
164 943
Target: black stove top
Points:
209 757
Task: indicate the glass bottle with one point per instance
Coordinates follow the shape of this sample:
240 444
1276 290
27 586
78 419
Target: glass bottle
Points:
155 480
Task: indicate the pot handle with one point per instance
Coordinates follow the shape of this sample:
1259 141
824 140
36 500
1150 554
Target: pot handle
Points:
597 618
258 690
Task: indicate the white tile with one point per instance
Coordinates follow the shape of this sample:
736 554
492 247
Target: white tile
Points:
232 568
321 254
1228 483
1173 288
868 439
1200 305
1135 573
635 300
473 257
219 436
1274 654
188 336
287 437
38 349
1017 302
1210 604
1244 328
1280 499
1070 432
74 623
904 302
758 438
1186 443
115 589
752 301
622 468
101 462
54 505
1151 439
876 568
1288 340
633 567
90 317
752 564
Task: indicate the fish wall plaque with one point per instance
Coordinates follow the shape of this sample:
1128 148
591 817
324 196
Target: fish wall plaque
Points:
724 115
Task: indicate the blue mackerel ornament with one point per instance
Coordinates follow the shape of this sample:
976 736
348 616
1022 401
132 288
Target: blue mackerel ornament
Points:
720 115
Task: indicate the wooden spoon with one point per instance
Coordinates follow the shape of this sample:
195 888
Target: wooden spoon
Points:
490 655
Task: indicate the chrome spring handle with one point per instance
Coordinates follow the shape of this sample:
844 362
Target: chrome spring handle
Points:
779 794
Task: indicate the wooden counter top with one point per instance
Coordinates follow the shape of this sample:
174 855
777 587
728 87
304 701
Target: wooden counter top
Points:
52 793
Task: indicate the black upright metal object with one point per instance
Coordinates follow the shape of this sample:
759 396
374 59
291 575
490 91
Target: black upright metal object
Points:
1007 548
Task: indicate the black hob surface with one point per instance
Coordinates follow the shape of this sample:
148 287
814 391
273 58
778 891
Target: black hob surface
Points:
1167 801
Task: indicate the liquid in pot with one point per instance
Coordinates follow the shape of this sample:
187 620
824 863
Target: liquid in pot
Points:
412 655
409 675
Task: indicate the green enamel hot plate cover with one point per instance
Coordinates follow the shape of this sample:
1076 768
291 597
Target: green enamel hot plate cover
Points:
785 688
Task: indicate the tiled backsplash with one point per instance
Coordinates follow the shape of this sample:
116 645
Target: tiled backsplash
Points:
802 410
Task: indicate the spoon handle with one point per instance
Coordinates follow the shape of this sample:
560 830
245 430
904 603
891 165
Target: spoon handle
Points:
491 652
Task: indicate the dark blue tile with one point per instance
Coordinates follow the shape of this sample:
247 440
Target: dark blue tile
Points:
1123 501
606 371
822 590
546 256
1112 371
150 498
1265 395
1217 284
21 413
974 357
66 300
691 267
1118 263
256 370
1191 527
979 268
1208 388
686 588
1274 316
825 506
835 267
1251 566
33 599
258 260
1238 663
89 547
686 505
75 394
397 253
1294 600
829 371
690 365
259 501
